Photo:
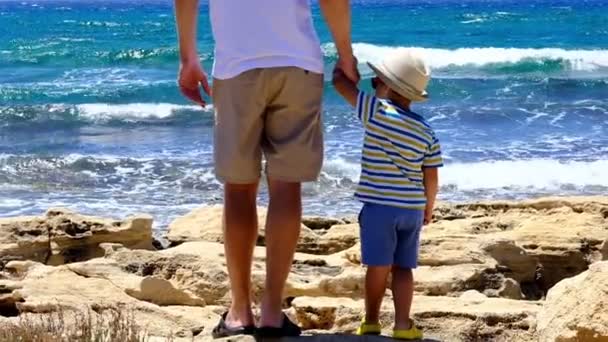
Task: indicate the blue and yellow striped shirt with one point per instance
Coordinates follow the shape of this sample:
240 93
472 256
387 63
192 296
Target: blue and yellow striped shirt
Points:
398 144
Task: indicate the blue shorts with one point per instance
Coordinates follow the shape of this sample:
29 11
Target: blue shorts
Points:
390 235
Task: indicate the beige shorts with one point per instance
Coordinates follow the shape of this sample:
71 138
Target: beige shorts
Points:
275 112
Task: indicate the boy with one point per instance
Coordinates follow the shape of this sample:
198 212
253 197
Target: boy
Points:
398 183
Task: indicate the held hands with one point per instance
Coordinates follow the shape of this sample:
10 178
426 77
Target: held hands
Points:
348 65
191 77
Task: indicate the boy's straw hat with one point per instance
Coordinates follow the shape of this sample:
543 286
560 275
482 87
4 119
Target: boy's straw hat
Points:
406 73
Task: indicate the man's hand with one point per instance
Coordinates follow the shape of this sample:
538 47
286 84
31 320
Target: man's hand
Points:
345 86
349 65
428 216
191 77
338 17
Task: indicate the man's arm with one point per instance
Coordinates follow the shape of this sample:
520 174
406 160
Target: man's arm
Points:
191 74
338 18
186 15
431 181
345 86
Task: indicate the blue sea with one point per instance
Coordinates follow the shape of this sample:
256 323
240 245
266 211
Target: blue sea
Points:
91 118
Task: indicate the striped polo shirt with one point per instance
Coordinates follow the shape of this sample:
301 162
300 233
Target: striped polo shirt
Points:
398 144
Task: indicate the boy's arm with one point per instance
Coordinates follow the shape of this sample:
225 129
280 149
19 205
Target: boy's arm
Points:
431 181
345 86
338 18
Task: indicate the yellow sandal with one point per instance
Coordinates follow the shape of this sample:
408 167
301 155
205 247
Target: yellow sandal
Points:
412 333
369 329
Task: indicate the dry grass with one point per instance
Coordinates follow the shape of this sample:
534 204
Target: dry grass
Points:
109 325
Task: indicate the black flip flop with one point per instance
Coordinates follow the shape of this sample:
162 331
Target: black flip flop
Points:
288 329
222 330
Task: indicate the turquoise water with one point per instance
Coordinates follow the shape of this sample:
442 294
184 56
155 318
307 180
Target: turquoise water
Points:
90 117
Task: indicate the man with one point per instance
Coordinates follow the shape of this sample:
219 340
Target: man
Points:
267 89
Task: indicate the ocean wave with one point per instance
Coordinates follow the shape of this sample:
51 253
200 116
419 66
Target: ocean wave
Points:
100 113
133 111
157 55
468 61
158 181
80 52
530 175
97 23
513 176
492 59
540 174
477 18
107 171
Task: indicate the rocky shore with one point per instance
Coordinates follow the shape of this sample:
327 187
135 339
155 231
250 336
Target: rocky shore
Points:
491 271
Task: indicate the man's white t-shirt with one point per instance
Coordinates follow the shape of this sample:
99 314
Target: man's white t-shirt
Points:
251 34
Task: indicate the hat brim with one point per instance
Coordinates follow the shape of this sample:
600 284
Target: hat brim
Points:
387 78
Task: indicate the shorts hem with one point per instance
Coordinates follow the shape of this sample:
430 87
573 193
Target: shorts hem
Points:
402 265
390 263
420 207
303 179
231 180
377 264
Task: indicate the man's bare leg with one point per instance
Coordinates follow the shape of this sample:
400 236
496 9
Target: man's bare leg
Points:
282 232
240 235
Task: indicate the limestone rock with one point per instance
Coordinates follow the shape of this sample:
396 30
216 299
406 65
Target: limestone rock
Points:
535 242
320 223
519 264
473 295
314 336
202 224
199 268
196 267
339 238
438 249
205 224
100 284
510 289
443 317
62 236
577 308
471 252
447 280
604 250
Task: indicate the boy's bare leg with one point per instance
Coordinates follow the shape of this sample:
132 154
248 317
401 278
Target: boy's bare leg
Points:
282 233
375 288
403 293
240 235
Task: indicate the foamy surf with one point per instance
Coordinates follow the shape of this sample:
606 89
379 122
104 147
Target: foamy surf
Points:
100 113
133 111
92 119
541 174
534 174
573 60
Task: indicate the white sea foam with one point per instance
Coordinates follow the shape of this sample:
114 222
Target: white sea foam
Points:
11 203
542 174
534 174
579 60
473 21
134 111
339 168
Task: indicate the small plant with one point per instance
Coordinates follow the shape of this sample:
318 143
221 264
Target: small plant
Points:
108 325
